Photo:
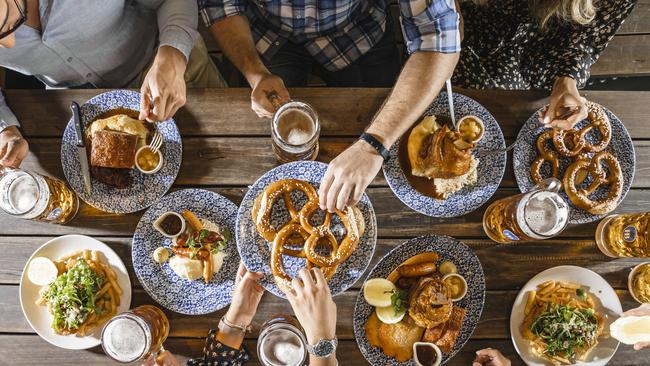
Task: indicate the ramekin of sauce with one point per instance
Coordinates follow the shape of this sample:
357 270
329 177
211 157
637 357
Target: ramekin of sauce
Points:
426 354
457 284
147 161
471 128
638 283
170 224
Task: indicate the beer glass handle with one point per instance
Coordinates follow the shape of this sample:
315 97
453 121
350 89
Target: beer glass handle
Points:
548 184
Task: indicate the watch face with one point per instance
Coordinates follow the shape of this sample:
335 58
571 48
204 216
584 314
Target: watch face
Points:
325 347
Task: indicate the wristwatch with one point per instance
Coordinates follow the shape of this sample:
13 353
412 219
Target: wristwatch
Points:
323 348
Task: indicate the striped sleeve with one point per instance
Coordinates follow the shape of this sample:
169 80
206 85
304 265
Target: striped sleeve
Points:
430 25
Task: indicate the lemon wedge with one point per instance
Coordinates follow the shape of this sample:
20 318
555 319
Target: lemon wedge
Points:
388 315
42 271
377 292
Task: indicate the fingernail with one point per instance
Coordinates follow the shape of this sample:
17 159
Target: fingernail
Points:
546 120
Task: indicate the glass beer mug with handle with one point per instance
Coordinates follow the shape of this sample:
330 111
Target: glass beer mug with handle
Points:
135 335
295 130
32 196
625 235
538 214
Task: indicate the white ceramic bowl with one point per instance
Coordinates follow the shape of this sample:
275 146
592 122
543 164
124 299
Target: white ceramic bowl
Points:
155 170
480 122
436 350
159 220
462 294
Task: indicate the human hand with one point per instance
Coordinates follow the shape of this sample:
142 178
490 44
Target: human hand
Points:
311 301
348 175
13 147
164 358
264 87
163 88
643 310
246 297
490 357
566 107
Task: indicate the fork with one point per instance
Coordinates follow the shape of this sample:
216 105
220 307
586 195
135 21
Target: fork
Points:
156 141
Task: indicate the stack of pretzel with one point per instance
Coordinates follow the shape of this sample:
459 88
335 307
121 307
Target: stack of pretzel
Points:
573 144
300 232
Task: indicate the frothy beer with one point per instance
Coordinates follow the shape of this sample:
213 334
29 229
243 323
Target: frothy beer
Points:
126 340
282 347
295 128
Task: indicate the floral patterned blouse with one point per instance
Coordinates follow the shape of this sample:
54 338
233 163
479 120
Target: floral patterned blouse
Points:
503 48
216 353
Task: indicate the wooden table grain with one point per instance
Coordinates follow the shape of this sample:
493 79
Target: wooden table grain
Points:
226 148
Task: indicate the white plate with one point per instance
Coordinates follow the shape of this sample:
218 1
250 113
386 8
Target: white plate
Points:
38 316
607 304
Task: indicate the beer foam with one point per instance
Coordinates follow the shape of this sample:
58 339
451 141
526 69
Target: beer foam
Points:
23 193
282 347
544 215
124 339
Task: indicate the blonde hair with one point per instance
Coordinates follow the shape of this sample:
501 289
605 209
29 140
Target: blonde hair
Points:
580 12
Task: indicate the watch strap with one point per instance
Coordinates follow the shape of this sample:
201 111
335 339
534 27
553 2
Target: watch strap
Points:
313 349
378 146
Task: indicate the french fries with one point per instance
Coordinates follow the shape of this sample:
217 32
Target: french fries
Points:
107 298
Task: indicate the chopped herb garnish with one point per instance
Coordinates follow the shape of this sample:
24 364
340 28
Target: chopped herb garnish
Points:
399 301
565 329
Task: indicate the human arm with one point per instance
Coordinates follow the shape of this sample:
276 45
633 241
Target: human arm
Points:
13 147
163 89
312 303
490 357
568 56
431 31
232 32
643 310
164 358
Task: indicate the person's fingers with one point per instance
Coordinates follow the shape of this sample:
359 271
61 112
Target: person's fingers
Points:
172 107
297 287
332 194
241 271
159 106
319 276
261 104
488 352
562 124
145 102
307 279
11 154
344 196
640 346
640 311
324 188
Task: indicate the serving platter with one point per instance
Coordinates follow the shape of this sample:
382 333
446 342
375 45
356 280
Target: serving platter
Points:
40 319
525 152
608 305
160 281
490 168
146 188
448 248
255 251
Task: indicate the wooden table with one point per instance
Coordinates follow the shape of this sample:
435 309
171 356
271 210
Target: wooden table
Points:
226 148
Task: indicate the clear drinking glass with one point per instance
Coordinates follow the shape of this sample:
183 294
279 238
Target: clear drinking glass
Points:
538 214
32 196
626 235
295 130
282 342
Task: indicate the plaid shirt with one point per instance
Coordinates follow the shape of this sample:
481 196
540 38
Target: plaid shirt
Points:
336 33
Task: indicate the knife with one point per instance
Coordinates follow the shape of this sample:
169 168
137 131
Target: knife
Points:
450 99
81 146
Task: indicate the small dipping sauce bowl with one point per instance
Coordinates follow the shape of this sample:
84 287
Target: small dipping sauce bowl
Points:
471 128
426 354
147 161
457 284
170 224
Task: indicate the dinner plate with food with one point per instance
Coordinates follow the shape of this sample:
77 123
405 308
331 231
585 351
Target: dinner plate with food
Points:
183 251
440 172
561 317
420 303
594 160
70 287
126 172
281 229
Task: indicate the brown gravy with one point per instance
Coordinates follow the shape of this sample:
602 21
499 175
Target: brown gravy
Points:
421 184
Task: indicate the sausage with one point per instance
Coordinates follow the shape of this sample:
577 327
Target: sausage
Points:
405 283
416 270
185 252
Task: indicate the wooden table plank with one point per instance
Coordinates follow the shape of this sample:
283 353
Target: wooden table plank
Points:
226 160
343 112
624 56
638 21
394 219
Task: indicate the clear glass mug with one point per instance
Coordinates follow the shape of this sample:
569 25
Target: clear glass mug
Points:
136 334
538 214
295 129
282 342
32 196
628 235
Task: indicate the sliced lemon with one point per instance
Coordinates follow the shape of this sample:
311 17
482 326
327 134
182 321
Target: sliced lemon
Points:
377 292
388 315
42 271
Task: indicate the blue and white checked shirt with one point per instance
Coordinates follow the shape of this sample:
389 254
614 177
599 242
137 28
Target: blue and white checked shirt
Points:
335 32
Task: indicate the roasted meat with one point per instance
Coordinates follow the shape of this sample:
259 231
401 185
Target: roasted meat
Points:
430 302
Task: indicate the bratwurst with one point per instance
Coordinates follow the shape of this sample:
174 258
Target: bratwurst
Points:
416 270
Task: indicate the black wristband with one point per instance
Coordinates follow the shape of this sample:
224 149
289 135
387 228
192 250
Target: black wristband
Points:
370 139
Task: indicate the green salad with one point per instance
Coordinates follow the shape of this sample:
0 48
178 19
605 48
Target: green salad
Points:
566 329
72 296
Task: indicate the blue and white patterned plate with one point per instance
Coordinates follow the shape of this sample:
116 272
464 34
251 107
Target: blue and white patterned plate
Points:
525 152
146 189
449 249
490 168
160 282
255 251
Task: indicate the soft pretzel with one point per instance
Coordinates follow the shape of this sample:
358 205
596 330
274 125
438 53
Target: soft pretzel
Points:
544 155
614 179
599 120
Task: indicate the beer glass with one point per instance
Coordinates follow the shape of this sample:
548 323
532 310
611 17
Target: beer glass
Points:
135 334
538 214
627 235
295 129
31 196
282 342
